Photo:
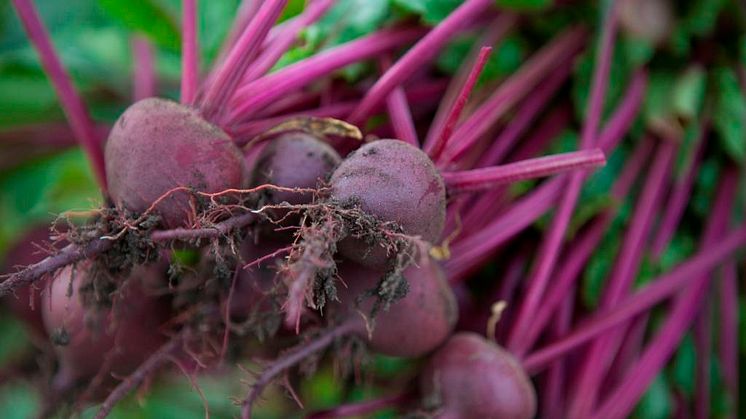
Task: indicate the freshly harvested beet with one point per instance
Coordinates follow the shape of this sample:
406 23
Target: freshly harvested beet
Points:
158 145
25 304
394 182
470 377
294 160
254 286
412 326
85 338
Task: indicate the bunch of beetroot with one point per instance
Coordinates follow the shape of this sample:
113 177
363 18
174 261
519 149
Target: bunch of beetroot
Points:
270 214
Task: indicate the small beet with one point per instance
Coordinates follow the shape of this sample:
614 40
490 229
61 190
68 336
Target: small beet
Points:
25 304
394 182
294 160
470 377
84 338
413 325
158 145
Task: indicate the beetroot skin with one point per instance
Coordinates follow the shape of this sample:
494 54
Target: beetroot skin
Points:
470 377
25 304
130 331
294 160
394 182
158 145
413 325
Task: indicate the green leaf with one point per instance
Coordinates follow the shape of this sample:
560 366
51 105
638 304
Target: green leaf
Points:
689 92
729 118
705 187
524 5
656 402
148 17
20 400
682 246
701 16
36 191
431 11
683 366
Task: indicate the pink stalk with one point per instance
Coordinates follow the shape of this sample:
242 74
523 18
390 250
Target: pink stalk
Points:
245 14
629 352
478 246
470 251
422 52
399 113
493 34
72 104
551 245
189 52
454 112
489 177
562 48
144 85
483 205
285 39
677 202
230 74
703 347
525 115
554 394
621 402
577 255
262 92
628 261
509 283
672 283
728 333
416 95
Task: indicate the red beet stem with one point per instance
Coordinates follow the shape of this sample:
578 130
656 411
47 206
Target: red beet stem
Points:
72 103
661 288
144 83
623 399
189 52
577 255
493 35
489 177
399 112
627 264
230 74
561 49
285 39
454 113
260 93
422 52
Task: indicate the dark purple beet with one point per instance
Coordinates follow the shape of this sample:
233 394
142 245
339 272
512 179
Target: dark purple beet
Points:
470 377
26 302
394 182
294 160
158 145
413 325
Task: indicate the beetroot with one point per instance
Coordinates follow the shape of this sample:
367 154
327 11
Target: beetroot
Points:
412 326
158 145
394 182
470 377
253 292
26 302
85 338
294 160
